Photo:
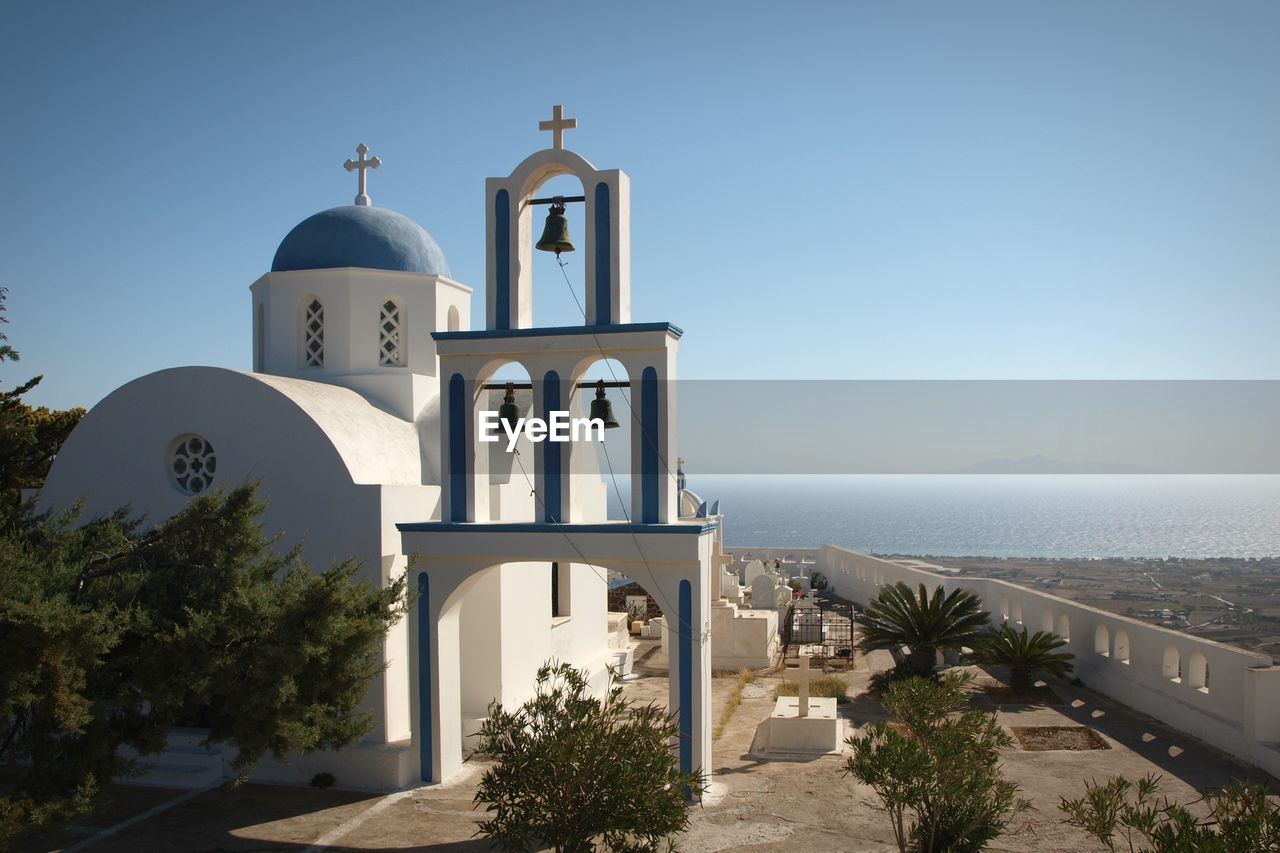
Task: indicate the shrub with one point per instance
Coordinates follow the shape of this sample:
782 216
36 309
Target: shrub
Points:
572 769
938 776
1024 655
1240 817
898 617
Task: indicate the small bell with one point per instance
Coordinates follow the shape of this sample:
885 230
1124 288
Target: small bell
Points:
509 412
555 234
602 409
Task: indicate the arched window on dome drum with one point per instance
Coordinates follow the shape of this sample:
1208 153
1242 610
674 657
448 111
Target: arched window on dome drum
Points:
391 339
313 333
259 339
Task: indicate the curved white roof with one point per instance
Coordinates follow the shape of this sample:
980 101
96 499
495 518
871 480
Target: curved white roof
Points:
377 447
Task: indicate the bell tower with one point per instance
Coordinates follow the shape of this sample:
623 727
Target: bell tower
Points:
509 206
557 358
568 525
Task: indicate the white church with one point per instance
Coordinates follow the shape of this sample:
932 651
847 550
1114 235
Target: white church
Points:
360 418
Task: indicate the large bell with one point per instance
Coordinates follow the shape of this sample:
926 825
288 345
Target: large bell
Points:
509 412
555 234
602 409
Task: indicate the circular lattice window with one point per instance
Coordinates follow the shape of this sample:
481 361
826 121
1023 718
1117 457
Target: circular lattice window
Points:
193 464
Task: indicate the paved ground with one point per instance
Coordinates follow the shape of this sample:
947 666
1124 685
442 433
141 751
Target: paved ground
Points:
756 805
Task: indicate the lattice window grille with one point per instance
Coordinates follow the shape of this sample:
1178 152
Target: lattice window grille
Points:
313 334
193 464
390 352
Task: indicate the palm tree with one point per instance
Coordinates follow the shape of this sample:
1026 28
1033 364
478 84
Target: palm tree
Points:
898 617
1024 655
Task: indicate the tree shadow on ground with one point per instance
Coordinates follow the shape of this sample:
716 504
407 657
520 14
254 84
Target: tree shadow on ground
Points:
257 818
1175 753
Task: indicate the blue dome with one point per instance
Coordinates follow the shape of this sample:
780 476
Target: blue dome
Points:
369 237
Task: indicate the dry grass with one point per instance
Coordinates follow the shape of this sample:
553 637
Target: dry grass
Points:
745 677
827 687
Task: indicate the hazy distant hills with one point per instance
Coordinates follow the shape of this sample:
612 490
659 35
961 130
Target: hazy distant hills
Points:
1041 464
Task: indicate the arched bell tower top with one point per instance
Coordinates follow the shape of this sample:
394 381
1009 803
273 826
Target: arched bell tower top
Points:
606 244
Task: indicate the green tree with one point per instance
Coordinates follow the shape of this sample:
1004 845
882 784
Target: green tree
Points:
925 623
1024 655
573 769
29 437
112 634
1239 817
937 773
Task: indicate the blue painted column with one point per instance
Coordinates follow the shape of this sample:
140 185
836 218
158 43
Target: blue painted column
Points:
685 654
650 472
425 733
459 414
604 257
551 453
502 260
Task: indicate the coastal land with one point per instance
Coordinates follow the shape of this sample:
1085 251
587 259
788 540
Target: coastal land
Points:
1226 599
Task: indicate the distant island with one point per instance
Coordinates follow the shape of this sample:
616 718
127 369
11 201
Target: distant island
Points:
1041 464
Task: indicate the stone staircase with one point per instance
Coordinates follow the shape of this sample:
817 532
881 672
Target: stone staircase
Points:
184 764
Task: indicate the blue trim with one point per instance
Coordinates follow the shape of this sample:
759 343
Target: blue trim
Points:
541 527
551 452
686 676
604 247
458 411
546 331
502 260
649 482
424 677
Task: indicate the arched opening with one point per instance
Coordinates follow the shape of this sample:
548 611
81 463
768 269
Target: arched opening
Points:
1172 666
453 321
512 476
556 303
393 337
607 465
1046 620
638 624
1198 672
1004 608
1122 646
1064 627
1017 611
259 339
1102 641
481 679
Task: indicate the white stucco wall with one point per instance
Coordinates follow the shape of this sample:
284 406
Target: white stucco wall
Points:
322 454
352 300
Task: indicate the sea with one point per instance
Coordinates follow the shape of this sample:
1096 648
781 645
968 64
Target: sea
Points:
1004 515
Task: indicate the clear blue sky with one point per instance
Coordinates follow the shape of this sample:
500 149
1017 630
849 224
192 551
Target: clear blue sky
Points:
869 190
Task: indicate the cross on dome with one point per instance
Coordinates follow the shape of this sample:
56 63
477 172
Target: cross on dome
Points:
362 198
558 124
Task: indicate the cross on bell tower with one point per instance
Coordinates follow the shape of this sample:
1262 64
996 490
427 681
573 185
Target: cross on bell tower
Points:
558 124
362 164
